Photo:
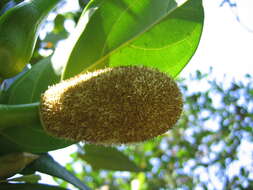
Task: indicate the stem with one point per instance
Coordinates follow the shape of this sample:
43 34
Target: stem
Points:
19 115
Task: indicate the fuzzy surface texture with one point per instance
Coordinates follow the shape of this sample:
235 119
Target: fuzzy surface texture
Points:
113 106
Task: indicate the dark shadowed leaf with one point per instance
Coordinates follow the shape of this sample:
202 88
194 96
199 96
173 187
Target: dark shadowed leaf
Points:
10 164
46 164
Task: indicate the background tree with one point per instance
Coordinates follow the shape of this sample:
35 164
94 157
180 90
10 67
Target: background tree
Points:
204 151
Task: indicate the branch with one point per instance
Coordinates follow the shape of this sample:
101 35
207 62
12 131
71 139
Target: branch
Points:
228 2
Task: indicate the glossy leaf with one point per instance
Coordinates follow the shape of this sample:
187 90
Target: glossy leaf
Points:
24 19
157 33
30 139
33 83
27 89
109 158
27 186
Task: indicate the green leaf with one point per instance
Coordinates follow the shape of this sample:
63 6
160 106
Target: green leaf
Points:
27 186
109 158
28 89
156 33
46 164
29 139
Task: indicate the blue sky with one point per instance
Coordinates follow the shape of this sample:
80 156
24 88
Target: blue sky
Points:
226 44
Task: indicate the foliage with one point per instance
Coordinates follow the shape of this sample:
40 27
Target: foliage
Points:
164 34
125 36
24 19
